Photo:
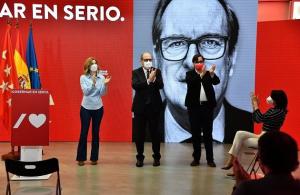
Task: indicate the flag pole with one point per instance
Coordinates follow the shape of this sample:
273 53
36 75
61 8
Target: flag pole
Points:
18 154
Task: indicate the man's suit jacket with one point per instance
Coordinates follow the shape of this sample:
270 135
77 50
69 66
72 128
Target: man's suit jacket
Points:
145 93
194 81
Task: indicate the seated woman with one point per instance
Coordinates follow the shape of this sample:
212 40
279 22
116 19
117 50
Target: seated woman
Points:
272 121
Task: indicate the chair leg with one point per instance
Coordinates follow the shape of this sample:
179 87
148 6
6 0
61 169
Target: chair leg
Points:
252 166
252 163
8 192
255 171
58 187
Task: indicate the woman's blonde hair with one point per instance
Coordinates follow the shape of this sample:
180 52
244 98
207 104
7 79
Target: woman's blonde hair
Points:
87 64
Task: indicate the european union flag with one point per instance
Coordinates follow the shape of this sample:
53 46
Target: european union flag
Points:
32 62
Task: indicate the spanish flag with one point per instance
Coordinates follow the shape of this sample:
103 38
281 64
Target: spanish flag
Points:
21 66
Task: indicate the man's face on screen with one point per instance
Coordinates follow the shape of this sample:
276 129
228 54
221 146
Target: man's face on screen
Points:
203 22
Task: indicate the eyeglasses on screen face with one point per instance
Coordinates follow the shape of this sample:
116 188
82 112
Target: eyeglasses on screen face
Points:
176 48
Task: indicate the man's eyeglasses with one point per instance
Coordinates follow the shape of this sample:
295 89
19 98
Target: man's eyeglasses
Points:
176 48
147 60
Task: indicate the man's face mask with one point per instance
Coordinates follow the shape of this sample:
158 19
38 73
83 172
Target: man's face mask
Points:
94 67
269 100
199 66
148 64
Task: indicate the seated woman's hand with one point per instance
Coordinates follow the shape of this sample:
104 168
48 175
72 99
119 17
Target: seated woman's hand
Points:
254 101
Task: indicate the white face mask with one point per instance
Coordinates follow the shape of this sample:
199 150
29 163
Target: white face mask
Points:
94 67
269 100
147 64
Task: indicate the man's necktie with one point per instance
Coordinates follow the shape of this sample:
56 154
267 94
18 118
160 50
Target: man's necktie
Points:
148 97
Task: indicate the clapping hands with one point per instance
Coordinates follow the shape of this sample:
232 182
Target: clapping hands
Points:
107 79
254 101
212 69
152 75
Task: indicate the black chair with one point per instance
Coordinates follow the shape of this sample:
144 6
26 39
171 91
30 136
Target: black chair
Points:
32 169
253 166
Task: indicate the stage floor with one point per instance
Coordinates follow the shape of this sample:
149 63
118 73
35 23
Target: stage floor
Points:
116 172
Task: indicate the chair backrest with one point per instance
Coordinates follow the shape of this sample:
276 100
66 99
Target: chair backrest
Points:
32 169
29 169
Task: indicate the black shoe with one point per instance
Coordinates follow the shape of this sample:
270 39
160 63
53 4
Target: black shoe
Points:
139 163
211 164
230 174
94 162
227 167
156 163
195 163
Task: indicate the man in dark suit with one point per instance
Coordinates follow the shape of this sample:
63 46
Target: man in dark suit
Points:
200 102
147 105
278 158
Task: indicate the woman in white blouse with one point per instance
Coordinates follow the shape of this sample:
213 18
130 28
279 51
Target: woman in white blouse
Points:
93 86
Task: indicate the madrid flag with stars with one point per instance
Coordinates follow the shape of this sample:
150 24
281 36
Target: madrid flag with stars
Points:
8 78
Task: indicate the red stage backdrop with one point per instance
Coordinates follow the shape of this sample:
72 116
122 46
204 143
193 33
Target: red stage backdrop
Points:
278 67
63 42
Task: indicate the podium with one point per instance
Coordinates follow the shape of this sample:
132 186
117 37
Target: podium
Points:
30 123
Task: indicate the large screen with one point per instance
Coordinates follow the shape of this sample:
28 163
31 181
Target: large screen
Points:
237 21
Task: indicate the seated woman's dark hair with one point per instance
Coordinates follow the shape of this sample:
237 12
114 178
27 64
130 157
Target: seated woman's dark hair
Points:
278 151
280 98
